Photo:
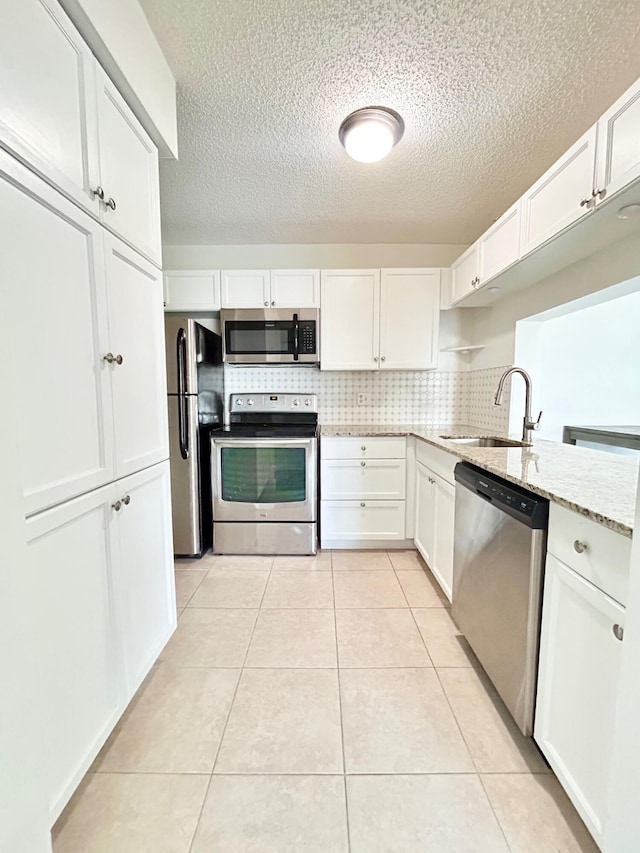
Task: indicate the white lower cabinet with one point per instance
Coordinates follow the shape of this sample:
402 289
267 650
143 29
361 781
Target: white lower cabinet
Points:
143 575
358 521
363 490
577 687
106 606
434 524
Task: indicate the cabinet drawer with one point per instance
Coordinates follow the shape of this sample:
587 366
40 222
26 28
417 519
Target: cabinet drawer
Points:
439 461
604 562
364 447
362 519
378 479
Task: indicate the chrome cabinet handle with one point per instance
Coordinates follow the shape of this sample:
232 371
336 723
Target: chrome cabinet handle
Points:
599 193
273 303
110 358
384 358
585 202
375 358
99 192
618 632
362 504
111 202
363 464
364 447
117 505
126 500
580 547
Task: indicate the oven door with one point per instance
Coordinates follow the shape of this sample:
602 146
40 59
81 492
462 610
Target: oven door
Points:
264 479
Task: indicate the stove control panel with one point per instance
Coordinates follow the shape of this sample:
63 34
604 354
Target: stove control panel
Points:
273 402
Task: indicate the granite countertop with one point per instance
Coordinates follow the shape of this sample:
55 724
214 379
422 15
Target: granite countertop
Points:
600 485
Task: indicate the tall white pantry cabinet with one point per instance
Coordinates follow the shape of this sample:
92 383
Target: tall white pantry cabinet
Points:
80 254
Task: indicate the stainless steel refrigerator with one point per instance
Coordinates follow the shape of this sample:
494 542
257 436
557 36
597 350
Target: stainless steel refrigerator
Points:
195 386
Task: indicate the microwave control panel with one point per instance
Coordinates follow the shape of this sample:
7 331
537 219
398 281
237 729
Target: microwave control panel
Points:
307 341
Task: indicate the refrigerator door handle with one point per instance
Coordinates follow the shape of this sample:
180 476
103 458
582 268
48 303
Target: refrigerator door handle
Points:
183 414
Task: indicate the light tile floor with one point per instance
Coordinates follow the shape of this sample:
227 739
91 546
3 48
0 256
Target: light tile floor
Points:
321 704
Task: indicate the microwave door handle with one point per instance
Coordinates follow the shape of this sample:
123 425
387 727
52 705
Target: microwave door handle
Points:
296 338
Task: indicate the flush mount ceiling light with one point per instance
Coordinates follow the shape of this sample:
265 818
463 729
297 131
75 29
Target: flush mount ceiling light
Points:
369 134
629 211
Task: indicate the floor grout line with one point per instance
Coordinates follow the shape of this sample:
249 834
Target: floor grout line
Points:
344 758
231 704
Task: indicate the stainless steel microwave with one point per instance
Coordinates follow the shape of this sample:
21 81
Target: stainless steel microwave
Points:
279 336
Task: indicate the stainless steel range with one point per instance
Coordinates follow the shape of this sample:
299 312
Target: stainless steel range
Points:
264 474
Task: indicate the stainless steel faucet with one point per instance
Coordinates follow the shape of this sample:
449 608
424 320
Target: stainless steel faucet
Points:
528 425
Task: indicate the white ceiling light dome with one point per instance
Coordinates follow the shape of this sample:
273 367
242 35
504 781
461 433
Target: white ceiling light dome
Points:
369 134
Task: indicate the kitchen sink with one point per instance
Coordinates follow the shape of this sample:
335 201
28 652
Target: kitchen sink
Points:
491 441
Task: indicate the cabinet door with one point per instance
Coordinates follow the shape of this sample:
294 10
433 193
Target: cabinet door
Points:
145 588
51 256
192 290
464 274
409 319
425 513
349 319
295 288
561 196
351 479
499 246
246 288
577 687
445 503
128 173
619 144
47 98
136 332
353 521
70 555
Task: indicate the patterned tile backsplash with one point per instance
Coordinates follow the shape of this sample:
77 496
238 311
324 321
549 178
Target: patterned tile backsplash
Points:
389 397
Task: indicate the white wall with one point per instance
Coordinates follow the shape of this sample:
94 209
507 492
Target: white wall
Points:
305 255
495 328
585 364
119 34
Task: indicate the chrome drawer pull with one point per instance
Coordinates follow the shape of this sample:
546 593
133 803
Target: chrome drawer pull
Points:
363 464
117 506
126 500
363 448
618 632
580 547
363 504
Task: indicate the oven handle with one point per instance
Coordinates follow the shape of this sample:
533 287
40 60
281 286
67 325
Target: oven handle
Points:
252 442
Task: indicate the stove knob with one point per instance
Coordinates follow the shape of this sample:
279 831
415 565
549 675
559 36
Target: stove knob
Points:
249 402
307 402
239 402
296 402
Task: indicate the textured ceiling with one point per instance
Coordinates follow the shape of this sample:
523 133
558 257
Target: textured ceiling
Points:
491 91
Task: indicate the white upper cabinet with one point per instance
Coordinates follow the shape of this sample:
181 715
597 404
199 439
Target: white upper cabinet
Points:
350 319
561 196
245 288
295 288
619 144
409 319
499 246
129 175
464 274
270 289
144 580
52 262
192 290
136 336
47 99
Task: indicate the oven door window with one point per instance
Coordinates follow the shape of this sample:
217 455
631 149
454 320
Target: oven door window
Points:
259 337
263 474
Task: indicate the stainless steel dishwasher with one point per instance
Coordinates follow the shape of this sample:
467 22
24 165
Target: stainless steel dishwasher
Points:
498 567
